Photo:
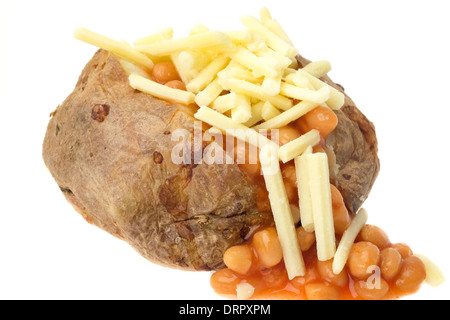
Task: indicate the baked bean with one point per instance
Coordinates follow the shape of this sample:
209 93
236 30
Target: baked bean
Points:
224 281
295 211
341 219
362 256
165 71
289 174
238 258
287 134
176 84
375 235
250 165
390 263
411 275
371 291
268 247
290 182
320 118
311 275
336 197
340 213
252 170
318 149
404 250
305 239
274 278
326 272
321 291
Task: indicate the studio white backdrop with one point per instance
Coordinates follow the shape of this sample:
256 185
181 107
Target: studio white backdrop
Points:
392 57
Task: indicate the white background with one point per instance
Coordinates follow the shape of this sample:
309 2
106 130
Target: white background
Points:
392 57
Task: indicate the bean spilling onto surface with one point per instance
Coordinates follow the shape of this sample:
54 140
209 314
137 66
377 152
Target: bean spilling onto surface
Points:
375 269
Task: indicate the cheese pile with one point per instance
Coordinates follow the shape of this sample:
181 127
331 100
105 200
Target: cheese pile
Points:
245 81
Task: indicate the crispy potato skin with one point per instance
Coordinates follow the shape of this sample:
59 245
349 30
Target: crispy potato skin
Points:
109 148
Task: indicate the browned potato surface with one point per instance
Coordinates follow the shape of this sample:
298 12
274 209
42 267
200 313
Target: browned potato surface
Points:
109 148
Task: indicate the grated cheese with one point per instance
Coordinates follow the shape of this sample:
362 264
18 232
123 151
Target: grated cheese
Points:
256 114
164 34
226 124
296 147
319 184
318 69
244 291
336 99
281 210
347 240
288 90
160 91
209 94
304 193
288 116
242 112
273 40
122 49
264 66
269 111
198 41
435 277
207 75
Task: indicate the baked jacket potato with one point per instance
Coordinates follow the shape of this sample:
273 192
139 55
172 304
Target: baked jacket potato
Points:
109 148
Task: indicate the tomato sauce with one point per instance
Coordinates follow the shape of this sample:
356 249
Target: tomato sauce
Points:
319 283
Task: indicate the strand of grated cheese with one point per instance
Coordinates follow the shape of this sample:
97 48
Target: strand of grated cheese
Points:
347 240
269 111
256 114
264 66
216 39
164 34
318 69
298 93
252 90
319 185
336 99
304 193
240 36
435 277
273 40
288 116
160 91
297 146
242 112
209 94
207 75
225 102
281 211
121 49
226 124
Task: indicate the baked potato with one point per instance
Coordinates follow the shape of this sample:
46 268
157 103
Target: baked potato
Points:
109 146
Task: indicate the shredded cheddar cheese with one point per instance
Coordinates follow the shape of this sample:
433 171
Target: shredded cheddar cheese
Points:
296 147
119 48
349 236
158 90
304 194
319 185
435 277
281 210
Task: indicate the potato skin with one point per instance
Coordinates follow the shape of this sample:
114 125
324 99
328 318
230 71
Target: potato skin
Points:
109 148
